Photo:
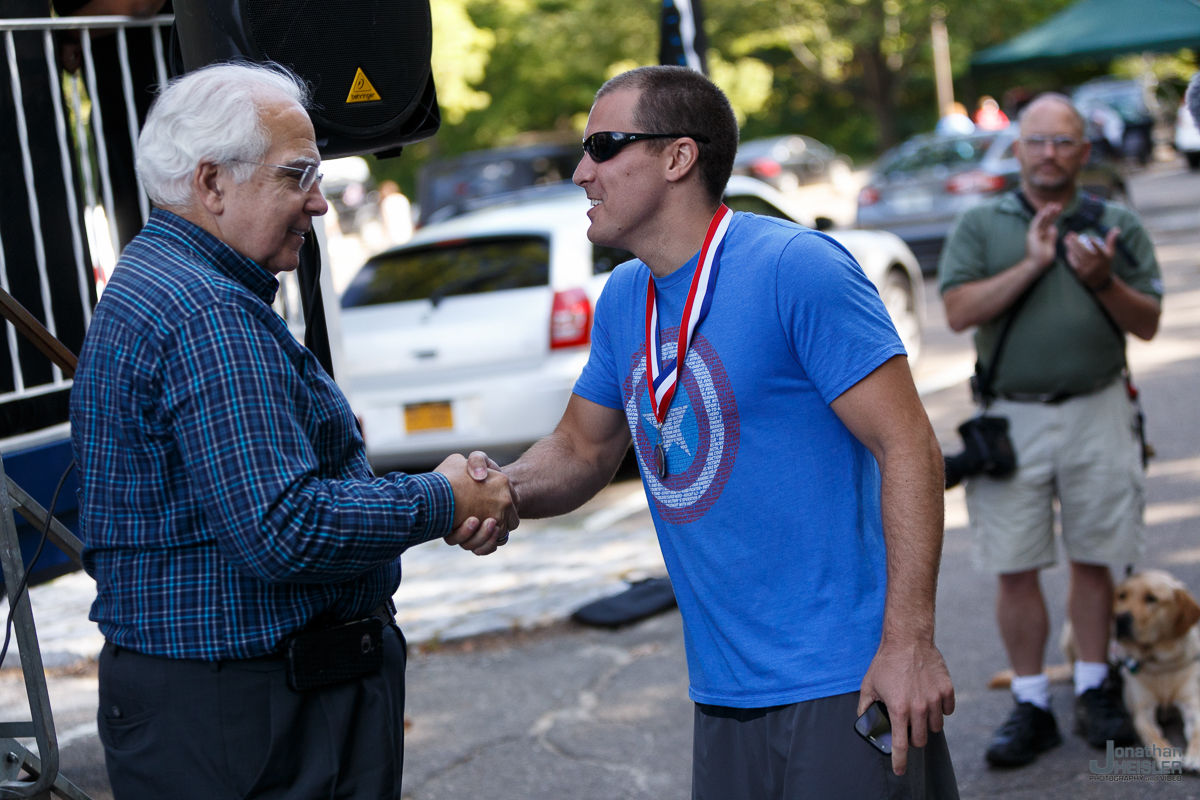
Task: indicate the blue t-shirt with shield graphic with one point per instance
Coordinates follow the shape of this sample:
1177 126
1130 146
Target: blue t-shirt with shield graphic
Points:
769 517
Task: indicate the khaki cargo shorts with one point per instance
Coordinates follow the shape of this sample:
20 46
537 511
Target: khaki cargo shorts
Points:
1085 453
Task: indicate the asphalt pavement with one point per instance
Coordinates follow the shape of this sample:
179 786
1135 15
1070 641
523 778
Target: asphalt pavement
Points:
505 699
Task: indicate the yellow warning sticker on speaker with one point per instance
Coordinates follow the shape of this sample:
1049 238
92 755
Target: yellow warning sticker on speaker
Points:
361 91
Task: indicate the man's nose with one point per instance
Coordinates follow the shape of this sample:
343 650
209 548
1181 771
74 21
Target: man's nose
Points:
316 205
585 171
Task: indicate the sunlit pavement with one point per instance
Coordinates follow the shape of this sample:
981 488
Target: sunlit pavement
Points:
544 709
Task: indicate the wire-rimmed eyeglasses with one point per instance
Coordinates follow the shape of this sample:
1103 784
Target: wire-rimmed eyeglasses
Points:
308 175
1060 144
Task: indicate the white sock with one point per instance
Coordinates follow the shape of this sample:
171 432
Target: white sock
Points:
1032 689
1089 675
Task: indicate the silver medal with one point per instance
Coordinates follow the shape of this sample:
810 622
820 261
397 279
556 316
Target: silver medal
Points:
660 461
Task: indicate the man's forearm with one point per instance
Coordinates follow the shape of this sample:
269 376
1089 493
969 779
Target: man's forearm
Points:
1135 312
557 476
981 301
913 512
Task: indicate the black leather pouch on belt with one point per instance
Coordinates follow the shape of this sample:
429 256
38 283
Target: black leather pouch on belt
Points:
338 654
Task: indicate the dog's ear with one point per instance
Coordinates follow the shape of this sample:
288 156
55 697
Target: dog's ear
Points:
1187 612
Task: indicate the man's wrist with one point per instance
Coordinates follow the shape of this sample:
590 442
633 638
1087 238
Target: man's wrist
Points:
908 631
1036 267
439 504
1104 285
514 488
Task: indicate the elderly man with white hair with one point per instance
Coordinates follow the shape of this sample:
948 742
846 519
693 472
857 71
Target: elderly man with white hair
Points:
244 554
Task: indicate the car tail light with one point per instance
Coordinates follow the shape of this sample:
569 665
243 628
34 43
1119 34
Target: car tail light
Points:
975 182
570 319
766 167
869 196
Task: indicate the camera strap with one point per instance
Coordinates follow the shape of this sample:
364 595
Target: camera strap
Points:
983 380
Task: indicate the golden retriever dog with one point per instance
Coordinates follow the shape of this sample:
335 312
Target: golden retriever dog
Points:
1159 644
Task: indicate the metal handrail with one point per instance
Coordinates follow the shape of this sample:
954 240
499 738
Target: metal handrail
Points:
28 326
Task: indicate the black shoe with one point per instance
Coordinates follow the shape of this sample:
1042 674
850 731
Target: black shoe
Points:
1100 717
1029 730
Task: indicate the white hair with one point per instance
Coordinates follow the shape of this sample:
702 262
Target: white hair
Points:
213 115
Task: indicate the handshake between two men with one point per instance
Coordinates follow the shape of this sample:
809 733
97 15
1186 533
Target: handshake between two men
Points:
485 503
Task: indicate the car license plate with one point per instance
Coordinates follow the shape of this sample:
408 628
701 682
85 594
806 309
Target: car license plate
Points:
428 417
911 201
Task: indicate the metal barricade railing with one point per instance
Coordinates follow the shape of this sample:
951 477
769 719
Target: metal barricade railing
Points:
76 154
83 148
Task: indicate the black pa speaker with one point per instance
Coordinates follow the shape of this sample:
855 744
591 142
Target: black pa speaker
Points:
366 60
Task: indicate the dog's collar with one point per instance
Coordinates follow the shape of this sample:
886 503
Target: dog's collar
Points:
1132 664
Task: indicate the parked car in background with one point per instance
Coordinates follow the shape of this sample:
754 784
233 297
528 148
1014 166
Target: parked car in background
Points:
1118 111
788 162
1187 136
919 188
473 334
447 187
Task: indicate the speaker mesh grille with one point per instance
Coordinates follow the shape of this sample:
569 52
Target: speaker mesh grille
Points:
328 41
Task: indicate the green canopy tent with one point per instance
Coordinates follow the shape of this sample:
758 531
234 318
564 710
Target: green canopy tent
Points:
1098 29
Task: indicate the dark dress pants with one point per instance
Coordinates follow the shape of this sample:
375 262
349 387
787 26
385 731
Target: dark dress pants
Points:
233 729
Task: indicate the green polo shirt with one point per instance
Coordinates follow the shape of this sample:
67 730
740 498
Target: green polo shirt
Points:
1060 341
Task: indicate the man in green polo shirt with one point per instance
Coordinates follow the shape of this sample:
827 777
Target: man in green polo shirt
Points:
1059 381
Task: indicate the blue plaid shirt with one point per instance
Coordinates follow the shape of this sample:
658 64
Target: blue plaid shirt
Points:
225 494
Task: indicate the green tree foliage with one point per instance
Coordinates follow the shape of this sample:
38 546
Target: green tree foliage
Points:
459 61
872 57
855 73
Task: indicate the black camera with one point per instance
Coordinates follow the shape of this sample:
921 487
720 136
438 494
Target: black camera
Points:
986 450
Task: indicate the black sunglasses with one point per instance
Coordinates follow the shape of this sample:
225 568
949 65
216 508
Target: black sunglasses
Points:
603 145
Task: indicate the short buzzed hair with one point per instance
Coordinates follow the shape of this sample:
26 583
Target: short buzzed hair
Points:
1059 98
1193 98
681 100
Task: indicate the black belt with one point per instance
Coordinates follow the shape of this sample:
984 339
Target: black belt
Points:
386 612
1050 398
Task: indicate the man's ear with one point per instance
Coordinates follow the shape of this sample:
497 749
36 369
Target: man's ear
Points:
207 187
684 159
1085 151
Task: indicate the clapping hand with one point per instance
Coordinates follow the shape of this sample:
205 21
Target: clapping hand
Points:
1041 241
484 508
1091 258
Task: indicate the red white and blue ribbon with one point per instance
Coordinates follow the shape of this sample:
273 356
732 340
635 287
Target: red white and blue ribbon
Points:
663 378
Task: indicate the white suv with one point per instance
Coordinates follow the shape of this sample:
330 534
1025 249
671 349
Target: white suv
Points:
472 335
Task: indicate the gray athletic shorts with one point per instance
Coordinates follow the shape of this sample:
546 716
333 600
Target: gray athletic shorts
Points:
807 751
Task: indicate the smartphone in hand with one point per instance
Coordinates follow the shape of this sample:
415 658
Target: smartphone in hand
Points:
876 727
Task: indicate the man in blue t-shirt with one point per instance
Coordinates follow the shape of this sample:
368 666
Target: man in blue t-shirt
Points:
805 575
